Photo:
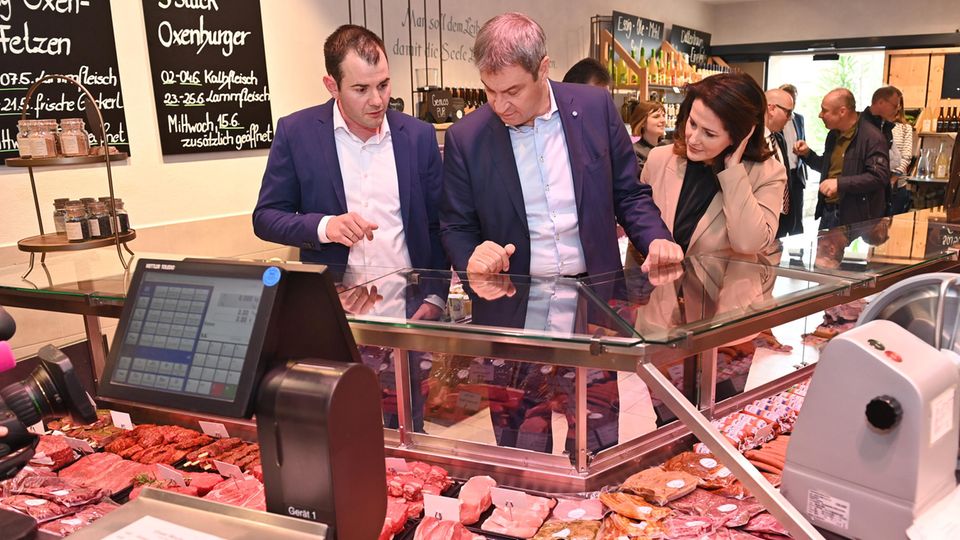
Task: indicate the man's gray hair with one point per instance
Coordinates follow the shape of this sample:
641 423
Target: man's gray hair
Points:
510 39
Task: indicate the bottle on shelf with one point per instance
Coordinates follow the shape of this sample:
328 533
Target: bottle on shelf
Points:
643 58
942 168
633 74
611 67
954 121
653 69
940 125
622 70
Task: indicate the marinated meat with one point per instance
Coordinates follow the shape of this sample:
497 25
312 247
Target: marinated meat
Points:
720 510
475 498
54 452
41 510
568 530
419 478
431 528
573 509
711 473
659 486
683 526
617 527
764 522
247 493
634 506
85 516
148 443
522 521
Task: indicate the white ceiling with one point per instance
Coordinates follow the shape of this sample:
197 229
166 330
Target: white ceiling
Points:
727 1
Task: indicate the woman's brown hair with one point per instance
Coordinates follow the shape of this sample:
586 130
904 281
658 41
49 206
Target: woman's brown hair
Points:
642 111
739 103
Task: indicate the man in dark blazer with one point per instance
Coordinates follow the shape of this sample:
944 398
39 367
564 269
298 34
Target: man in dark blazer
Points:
794 131
351 182
536 180
854 167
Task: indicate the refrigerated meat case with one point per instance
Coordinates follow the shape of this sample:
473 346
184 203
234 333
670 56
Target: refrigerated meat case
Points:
666 328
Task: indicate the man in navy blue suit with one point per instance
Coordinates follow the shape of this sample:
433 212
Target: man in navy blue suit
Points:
350 182
536 181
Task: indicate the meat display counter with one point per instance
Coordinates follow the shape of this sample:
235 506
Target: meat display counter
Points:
528 378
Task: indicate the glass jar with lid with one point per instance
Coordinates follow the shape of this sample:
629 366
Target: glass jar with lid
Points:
43 139
76 222
123 219
23 137
98 220
59 215
74 139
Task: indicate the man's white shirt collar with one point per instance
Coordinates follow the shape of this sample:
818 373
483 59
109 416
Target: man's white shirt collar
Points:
340 123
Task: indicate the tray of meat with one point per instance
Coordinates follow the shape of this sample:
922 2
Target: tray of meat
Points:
198 484
84 516
60 491
53 452
232 450
431 528
634 506
475 498
107 471
617 527
521 520
568 530
712 474
578 509
721 511
247 493
39 509
11 486
149 444
98 434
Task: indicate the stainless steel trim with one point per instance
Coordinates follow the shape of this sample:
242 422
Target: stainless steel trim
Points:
401 370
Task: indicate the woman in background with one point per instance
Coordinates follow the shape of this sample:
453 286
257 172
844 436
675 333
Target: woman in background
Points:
900 199
647 121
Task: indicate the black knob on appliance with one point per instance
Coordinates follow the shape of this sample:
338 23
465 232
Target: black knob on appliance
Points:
884 412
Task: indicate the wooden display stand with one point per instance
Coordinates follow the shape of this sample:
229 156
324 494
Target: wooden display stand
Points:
51 242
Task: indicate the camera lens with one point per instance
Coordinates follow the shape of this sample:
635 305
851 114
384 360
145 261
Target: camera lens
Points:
52 390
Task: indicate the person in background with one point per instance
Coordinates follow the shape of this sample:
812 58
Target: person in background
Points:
779 110
900 198
717 186
588 71
882 112
794 131
648 122
536 180
854 167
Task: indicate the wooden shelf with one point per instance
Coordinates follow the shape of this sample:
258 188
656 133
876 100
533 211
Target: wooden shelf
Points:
47 243
945 135
62 160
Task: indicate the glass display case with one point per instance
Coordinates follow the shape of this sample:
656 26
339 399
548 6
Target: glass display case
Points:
563 385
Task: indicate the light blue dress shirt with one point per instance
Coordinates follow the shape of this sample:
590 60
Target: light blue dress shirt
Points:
543 163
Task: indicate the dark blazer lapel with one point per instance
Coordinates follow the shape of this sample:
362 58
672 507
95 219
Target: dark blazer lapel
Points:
573 132
501 154
329 161
402 155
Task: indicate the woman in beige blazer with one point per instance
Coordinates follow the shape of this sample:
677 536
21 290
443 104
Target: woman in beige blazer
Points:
718 187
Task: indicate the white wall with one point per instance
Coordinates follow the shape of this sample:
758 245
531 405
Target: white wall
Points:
159 190
795 20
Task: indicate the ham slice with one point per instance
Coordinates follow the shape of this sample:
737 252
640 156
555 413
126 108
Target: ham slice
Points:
432 528
475 498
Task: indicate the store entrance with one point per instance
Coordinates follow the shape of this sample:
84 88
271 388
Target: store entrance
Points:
860 72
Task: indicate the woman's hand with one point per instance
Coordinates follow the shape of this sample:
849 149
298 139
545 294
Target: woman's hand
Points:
736 156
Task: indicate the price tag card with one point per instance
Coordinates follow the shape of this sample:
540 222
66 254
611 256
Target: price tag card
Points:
469 401
228 469
397 465
121 419
442 508
481 372
214 429
508 498
170 474
37 429
79 444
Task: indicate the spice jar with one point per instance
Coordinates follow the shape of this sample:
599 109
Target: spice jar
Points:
122 218
76 222
59 215
74 139
43 139
23 137
99 220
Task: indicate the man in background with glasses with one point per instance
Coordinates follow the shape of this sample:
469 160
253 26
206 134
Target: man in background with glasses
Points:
779 112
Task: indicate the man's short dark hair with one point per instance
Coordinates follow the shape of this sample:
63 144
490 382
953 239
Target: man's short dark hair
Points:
350 37
886 93
587 71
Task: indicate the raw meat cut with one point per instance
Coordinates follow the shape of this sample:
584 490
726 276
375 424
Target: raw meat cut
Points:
85 516
431 528
659 486
568 530
521 521
634 506
568 509
54 452
475 498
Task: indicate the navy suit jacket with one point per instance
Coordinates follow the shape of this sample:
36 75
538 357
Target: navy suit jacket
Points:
482 198
302 184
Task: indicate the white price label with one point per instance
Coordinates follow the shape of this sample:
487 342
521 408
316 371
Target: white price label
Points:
397 465
826 509
508 498
121 419
442 508
37 429
228 469
941 414
170 474
469 401
214 429
79 444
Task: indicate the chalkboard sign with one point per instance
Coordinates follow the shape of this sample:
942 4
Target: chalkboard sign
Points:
209 75
634 32
951 77
694 43
70 38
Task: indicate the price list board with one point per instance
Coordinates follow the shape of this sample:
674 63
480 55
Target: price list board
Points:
635 32
209 75
694 43
73 38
